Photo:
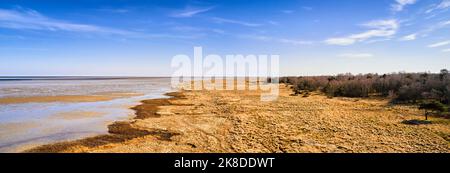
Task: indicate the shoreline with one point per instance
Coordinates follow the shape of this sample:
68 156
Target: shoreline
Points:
118 131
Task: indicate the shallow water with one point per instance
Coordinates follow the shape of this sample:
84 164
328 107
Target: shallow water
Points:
31 124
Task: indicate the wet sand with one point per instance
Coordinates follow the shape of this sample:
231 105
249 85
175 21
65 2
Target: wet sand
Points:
15 128
67 98
75 115
237 121
120 131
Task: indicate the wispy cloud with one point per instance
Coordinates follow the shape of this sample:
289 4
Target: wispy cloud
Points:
378 29
24 48
446 50
183 28
30 19
425 32
445 23
356 55
445 4
307 8
27 19
11 37
377 40
409 37
439 44
190 12
237 22
344 41
273 22
114 10
218 31
277 40
400 4
294 42
436 26
287 11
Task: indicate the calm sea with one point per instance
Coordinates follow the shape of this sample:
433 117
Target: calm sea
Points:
27 125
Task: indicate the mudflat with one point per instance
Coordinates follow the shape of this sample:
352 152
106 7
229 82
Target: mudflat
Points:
66 98
237 121
76 115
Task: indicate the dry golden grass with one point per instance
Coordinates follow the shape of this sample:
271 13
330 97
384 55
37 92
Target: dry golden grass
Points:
237 121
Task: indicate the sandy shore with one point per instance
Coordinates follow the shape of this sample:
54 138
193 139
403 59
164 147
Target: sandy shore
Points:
237 121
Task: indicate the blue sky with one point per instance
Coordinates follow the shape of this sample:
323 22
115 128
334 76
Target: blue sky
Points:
139 38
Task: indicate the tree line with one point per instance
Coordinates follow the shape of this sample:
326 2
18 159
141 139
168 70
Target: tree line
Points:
430 90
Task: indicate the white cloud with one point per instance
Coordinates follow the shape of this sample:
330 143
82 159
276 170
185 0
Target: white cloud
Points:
379 28
441 6
377 40
30 19
437 26
444 4
277 40
112 10
433 27
446 50
191 12
356 55
340 41
257 37
307 8
273 22
191 29
294 42
238 22
444 23
409 37
400 4
382 24
444 43
287 11
218 31
182 28
373 33
27 19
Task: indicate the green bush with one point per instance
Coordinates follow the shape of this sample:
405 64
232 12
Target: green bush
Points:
433 107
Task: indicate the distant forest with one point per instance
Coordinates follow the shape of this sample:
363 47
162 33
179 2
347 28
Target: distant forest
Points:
430 90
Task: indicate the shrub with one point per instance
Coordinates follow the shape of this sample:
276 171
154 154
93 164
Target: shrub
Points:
433 106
